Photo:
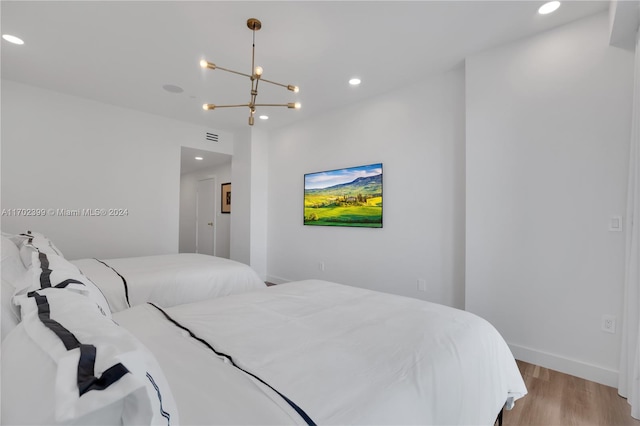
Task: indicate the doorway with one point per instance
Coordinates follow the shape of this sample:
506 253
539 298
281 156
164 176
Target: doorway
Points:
216 168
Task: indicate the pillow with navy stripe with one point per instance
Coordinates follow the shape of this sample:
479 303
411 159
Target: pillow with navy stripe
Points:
50 270
31 242
95 372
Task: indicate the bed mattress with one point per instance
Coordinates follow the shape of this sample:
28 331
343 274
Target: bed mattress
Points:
344 355
168 280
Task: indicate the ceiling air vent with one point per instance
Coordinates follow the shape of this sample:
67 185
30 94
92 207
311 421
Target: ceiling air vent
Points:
212 137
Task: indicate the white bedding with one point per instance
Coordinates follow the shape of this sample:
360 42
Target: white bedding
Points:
343 354
168 280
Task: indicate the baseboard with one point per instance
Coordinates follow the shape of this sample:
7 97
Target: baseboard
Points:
573 367
277 280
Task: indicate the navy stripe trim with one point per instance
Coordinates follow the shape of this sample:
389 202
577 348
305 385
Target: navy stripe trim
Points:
45 275
155 386
66 282
124 281
88 382
293 405
86 379
44 314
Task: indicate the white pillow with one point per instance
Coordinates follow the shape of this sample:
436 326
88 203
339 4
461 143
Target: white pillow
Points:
79 367
11 264
14 276
29 371
33 242
10 315
16 239
50 270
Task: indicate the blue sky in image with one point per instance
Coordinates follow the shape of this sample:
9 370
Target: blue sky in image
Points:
336 177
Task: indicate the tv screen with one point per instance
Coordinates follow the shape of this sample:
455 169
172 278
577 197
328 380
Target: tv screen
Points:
344 197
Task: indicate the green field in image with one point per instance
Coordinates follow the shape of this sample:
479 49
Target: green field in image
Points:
323 211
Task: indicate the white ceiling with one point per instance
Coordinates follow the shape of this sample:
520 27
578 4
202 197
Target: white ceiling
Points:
124 52
189 164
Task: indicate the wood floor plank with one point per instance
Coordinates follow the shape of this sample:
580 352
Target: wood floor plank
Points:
555 398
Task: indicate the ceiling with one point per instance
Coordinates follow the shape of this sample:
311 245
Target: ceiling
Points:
209 160
124 52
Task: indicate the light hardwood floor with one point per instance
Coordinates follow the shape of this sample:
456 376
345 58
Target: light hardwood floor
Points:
559 399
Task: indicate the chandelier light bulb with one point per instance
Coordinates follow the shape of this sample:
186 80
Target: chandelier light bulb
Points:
207 107
206 64
258 71
294 89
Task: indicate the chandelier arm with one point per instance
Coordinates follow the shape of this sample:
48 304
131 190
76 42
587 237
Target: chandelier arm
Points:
270 105
273 82
290 87
253 51
254 93
234 72
232 106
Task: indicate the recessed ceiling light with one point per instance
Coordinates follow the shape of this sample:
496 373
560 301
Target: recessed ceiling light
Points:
173 88
199 158
264 117
12 39
549 7
354 81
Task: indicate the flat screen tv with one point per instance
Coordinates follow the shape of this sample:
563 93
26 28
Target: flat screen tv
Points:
344 197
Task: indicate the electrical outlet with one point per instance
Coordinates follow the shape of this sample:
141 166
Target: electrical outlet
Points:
609 323
422 285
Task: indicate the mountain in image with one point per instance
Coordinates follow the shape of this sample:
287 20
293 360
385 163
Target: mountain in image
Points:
370 186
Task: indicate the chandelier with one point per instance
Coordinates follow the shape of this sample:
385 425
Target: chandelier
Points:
256 77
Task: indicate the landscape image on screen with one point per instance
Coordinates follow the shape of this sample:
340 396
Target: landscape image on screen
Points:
345 197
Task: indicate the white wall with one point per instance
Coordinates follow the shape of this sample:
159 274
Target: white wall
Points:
64 152
548 125
188 209
259 201
241 198
249 200
418 135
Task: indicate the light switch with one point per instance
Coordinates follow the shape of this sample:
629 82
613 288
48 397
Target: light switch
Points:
615 223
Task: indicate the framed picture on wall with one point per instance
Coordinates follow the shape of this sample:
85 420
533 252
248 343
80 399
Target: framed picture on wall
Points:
225 198
344 197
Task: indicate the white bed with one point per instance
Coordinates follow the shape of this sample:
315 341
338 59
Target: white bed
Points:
167 279
344 355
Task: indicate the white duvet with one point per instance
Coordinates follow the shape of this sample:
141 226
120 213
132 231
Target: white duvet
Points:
343 354
168 280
